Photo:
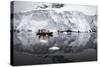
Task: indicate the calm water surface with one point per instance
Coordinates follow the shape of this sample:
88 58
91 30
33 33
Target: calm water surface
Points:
73 47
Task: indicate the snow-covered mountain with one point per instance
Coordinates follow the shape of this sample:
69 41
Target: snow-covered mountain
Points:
54 20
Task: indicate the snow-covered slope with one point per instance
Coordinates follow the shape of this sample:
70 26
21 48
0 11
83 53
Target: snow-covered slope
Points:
53 20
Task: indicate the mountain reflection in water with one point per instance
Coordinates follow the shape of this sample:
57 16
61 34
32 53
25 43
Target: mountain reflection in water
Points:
73 47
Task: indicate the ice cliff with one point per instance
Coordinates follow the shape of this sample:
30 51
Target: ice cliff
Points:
53 20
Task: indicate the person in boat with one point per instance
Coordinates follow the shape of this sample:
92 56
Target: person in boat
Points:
44 33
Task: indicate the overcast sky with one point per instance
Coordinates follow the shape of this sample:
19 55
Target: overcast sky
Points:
22 6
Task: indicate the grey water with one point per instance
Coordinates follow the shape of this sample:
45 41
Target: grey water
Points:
73 47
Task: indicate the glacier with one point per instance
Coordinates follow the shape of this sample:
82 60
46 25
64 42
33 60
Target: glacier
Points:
52 20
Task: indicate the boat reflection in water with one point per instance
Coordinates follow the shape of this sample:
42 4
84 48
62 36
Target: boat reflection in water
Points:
65 47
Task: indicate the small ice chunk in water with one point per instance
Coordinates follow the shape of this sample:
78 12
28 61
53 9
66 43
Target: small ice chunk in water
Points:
54 48
43 41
